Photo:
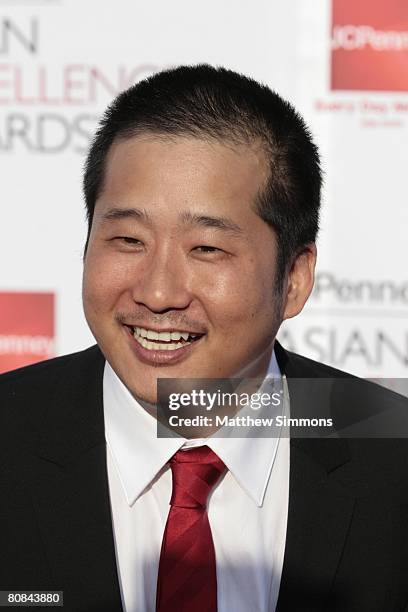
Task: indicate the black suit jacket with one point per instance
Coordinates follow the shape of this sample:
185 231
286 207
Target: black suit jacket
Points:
347 534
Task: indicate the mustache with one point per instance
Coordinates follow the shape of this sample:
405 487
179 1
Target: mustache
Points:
175 321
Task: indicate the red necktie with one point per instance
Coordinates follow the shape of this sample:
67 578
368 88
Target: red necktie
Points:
187 580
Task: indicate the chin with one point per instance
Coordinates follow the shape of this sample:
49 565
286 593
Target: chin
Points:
149 398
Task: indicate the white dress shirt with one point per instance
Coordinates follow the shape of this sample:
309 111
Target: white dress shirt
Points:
247 511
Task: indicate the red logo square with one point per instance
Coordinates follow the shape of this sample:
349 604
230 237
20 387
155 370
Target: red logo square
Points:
26 329
369 45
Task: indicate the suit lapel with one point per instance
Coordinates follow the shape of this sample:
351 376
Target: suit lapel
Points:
320 509
70 490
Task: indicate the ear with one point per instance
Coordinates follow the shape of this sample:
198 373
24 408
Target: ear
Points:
300 281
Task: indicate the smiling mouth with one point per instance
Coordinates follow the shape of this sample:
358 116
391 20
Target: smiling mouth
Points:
169 340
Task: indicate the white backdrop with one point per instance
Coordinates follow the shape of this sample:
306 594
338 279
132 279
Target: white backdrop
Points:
62 61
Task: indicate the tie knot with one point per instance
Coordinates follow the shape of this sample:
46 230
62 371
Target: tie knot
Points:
195 474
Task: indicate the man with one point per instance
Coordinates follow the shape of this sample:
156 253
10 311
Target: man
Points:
202 190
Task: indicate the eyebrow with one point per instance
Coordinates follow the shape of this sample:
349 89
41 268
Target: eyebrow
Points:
116 214
220 223
186 217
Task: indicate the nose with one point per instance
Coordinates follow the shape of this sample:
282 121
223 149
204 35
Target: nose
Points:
163 283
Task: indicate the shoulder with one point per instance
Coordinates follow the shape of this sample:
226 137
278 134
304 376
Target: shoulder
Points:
44 373
370 421
295 365
342 385
27 393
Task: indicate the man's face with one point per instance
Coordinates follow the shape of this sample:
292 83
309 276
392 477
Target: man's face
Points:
176 247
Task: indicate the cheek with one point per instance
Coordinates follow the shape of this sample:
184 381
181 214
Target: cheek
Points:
103 282
238 297
220 293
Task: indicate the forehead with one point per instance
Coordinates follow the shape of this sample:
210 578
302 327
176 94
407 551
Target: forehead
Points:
178 171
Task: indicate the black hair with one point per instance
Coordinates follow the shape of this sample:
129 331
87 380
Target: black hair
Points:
215 103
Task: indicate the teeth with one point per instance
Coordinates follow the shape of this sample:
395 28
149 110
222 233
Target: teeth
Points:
146 336
156 345
140 332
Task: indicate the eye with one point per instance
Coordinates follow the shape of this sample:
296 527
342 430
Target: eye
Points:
128 240
207 249
126 243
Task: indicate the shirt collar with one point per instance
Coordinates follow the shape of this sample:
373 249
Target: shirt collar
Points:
139 455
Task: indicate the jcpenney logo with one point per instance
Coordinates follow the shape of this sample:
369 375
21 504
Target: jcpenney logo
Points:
365 292
353 37
369 45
